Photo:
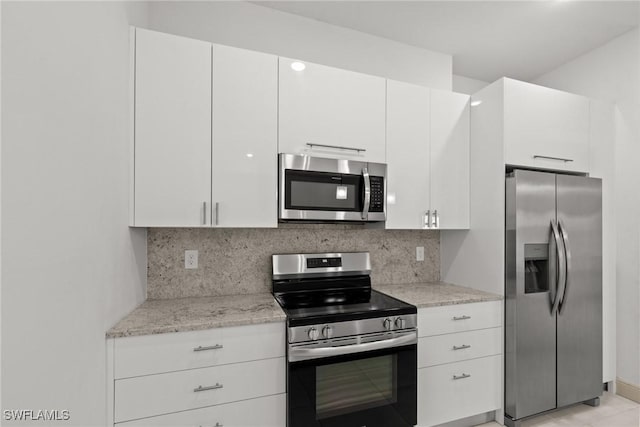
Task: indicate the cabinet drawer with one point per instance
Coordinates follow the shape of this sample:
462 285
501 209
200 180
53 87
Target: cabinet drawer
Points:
267 411
459 318
153 354
151 395
441 398
440 349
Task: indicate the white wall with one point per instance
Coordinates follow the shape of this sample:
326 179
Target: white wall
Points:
255 27
462 84
71 266
612 72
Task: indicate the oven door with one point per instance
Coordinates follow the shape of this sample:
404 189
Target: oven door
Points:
313 188
370 389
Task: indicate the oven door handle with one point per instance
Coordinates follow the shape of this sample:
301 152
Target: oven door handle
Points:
297 354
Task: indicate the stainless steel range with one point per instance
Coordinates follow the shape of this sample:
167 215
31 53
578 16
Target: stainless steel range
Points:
351 350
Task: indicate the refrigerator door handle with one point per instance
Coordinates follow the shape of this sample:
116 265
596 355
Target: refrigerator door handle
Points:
567 266
558 276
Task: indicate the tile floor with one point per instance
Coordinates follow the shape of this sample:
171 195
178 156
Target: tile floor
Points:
614 411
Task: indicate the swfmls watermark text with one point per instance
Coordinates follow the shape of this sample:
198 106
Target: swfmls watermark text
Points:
36 415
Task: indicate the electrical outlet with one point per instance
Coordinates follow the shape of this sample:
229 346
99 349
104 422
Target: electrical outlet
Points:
419 253
191 259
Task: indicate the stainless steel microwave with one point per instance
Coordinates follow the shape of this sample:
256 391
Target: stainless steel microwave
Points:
321 189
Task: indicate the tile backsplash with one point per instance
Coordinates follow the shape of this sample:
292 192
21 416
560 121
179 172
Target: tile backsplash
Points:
238 260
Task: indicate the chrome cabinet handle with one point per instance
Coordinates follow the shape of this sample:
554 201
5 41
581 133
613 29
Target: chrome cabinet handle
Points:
427 219
462 317
211 387
204 213
367 193
436 219
461 347
562 159
210 347
461 377
217 212
337 147
567 266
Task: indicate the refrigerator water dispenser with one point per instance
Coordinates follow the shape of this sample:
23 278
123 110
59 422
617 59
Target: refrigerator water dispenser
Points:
536 267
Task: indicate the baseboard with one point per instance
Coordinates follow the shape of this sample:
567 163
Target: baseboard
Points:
630 391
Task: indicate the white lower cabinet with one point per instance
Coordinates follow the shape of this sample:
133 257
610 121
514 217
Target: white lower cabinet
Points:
267 411
234 376
458 390
196 388
459 361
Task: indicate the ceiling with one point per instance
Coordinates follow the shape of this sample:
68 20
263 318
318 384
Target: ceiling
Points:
488 39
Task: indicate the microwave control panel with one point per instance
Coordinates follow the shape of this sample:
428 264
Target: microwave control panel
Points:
377 194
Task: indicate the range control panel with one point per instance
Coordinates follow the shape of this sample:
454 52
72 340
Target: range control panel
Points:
324 262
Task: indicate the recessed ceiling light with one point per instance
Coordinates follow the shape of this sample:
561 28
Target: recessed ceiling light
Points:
475 103
249 155
298 66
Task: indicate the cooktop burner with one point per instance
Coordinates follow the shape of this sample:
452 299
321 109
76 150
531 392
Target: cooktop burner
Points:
324 288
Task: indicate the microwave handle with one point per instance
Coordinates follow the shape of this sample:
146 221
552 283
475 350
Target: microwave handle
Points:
367 193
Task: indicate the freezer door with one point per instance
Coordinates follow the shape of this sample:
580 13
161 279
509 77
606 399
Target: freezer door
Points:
579 211
531 273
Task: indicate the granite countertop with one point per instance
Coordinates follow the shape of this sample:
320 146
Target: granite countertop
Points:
191 314
161 316
432 294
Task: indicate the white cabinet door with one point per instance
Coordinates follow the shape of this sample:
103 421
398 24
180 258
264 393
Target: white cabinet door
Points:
329 106
245 120
407 155
172 138
545 128
450 159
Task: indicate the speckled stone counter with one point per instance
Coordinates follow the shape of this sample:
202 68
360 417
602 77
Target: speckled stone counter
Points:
191 314
432 294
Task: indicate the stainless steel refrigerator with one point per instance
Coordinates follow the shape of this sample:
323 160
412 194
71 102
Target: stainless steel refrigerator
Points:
553 295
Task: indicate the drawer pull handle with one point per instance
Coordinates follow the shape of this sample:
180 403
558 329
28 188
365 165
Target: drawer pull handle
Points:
337 147
217 425
461 377
462 318
562 159
461 347
211 387
211 347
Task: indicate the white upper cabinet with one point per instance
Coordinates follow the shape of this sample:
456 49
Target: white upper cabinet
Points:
172 149
545 128
205 143
450 135
408 169
245 138
428 158
331 107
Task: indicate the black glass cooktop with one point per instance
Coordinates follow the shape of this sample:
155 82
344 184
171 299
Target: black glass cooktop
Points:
334 306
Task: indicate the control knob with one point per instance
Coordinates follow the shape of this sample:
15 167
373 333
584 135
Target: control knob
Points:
387 323
313 334
400 323
327 332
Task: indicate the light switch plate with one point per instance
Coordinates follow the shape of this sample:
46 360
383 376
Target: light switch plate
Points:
419 253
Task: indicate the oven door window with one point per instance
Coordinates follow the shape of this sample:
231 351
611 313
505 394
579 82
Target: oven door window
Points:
355 385
306 190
